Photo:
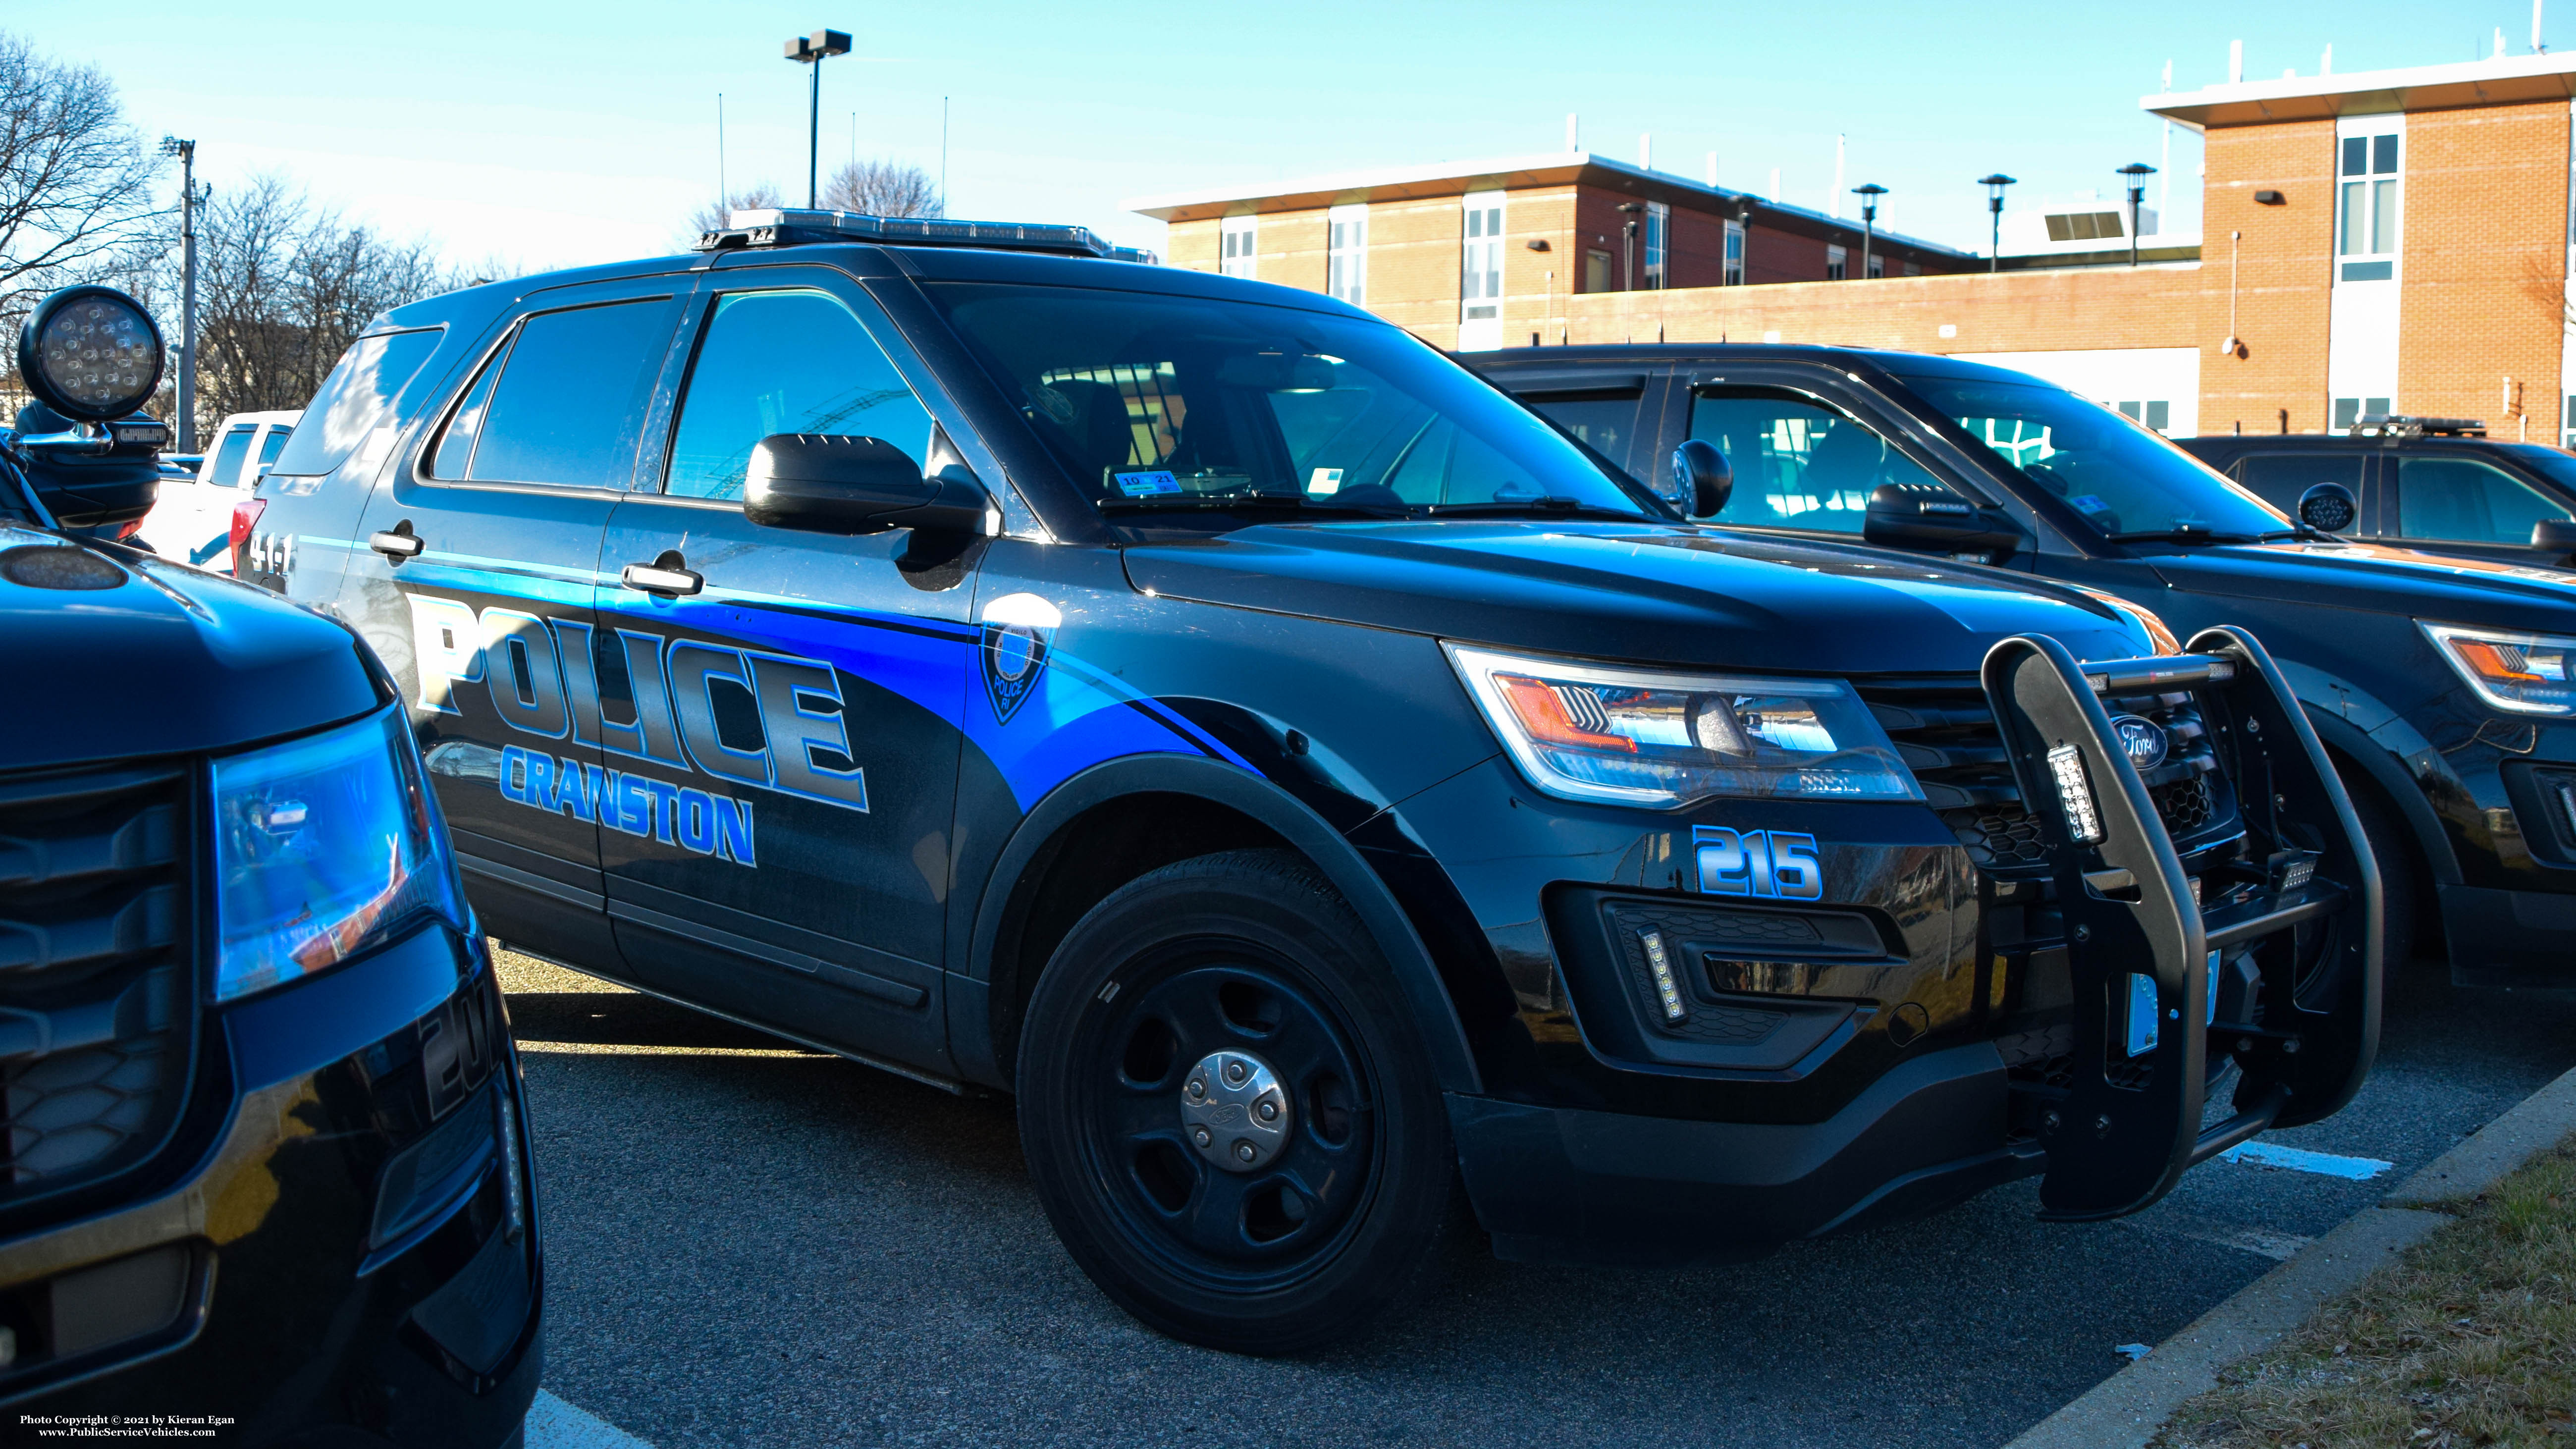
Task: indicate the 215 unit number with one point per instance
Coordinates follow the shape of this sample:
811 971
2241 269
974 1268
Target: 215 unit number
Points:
1772 863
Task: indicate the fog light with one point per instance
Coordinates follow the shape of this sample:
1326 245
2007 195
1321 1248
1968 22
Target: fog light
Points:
1660 965
2083 822
2142 1014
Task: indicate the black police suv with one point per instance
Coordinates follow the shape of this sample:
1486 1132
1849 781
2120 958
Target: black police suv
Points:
1298 772
2443 688
2436 485
264 1175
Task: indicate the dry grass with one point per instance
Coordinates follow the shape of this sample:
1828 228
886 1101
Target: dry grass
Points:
2469 1339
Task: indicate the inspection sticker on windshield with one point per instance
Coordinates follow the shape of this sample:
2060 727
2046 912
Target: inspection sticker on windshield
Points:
1146 485
1324 480
2090 504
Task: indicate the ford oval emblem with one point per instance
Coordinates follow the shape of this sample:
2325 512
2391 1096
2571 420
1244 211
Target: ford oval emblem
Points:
2142 740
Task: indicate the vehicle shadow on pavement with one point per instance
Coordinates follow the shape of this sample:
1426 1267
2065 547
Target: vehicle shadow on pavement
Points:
753 1243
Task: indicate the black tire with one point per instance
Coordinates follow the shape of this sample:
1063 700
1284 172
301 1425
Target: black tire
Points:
2401 877
1250 952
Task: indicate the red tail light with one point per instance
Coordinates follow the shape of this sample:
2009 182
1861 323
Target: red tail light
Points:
245 518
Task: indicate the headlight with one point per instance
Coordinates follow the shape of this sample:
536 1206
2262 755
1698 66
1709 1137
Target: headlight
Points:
324 847
2522 673
1663 740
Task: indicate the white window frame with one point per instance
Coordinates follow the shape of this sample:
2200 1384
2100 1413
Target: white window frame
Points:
2374 198
1837 263
1659 243
1237 237
1732 274
1346 265
1480 257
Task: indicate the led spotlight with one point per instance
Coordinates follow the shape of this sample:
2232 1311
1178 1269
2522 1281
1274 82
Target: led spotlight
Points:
2083 822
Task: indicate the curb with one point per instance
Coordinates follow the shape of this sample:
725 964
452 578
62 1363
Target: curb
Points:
2125 1410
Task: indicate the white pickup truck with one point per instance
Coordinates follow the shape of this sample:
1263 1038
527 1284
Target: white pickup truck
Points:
192 520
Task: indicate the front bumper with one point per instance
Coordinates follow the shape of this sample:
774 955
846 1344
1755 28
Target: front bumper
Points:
345 1264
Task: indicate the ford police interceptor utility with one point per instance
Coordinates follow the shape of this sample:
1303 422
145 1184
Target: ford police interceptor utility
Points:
264 1174
1302 775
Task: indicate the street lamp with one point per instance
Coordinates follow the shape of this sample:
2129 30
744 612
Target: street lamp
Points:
1628 246
1869 196
2137 172
1995 185
812 50
186 151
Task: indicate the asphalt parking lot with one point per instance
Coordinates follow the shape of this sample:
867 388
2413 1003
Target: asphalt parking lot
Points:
752 1243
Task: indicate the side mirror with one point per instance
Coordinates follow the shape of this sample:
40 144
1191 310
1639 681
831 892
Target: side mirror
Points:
1702 475
2328 506
832 483
2557 535
1928 518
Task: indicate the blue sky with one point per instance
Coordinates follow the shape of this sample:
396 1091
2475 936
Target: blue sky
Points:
558 133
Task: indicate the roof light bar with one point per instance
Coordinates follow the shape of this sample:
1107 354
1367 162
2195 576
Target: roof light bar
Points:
2402 425
772 226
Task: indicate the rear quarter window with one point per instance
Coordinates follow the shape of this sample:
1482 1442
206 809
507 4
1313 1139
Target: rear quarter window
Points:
360 399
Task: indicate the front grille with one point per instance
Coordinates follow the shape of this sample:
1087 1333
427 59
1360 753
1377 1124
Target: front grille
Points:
1946 732
97 1025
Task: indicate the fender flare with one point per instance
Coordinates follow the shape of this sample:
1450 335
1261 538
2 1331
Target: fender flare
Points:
1416 976
2389 774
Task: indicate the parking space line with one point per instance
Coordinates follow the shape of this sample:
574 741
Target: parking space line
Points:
554 1424
2298 1159
2262 1242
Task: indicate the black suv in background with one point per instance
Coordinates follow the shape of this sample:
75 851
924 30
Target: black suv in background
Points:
2445 688
2439 485
1299 773
264 1173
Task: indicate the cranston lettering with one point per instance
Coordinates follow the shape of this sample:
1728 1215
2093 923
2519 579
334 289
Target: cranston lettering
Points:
700 821
768 721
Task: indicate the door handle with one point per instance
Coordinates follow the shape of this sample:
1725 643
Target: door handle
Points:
397 543
669 574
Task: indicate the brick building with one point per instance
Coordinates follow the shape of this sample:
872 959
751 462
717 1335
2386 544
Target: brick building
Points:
2380 241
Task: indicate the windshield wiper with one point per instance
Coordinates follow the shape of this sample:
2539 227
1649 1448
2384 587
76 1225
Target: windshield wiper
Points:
1549 507
1229 502
2181 535
2305 532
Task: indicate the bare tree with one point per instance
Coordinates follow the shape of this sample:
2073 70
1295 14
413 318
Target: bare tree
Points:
282 288
75 184
880 187
718 214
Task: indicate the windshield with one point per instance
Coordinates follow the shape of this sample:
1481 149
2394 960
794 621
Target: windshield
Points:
2555 464
2115 475
1165 406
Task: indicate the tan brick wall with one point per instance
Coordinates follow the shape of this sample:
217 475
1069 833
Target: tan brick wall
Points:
2153 306
1196 245
2281 273
2483 266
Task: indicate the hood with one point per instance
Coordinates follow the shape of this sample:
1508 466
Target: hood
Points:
2384 580
1646 592
112 654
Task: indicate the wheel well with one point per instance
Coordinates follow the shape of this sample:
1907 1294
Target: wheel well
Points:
1079 866
2358 781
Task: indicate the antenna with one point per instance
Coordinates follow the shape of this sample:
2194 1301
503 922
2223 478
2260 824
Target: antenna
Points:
943 155
723 198
1645 151
2235 62
2536 47
1712 171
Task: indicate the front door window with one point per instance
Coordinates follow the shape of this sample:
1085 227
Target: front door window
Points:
1798 463
2462 500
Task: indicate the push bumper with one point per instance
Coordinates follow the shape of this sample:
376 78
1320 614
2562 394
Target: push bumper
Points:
353 1262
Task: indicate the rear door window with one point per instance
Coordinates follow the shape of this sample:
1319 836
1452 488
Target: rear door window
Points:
2462 500
229 455
356 403
563 402
1797 463
2279 478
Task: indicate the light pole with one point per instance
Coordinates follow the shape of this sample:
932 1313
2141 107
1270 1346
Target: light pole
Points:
1995 185
1869 196
2137 172
186 151
812 50
1628 246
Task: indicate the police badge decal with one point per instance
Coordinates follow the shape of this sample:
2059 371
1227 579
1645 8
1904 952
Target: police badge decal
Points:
1018 631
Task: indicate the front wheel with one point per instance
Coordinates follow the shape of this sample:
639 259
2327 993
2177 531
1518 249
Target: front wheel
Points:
1226 1108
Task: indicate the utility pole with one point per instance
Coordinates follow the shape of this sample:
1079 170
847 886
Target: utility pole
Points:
186 151
1869 196
1995 183
813 50
2137 172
